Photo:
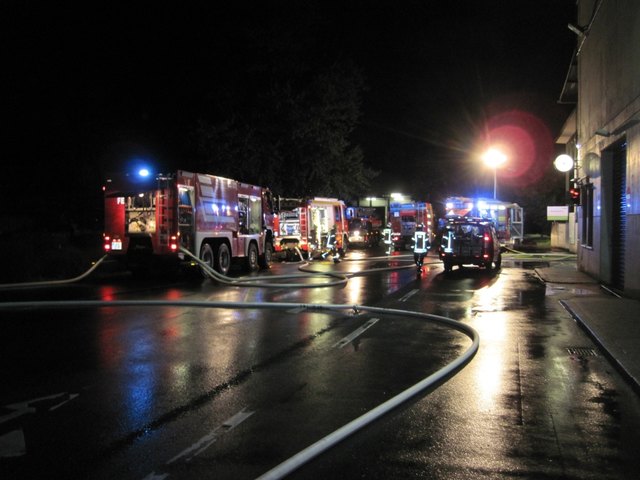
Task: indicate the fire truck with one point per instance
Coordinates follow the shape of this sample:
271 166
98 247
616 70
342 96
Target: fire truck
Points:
403 219
371 218
311 226
508 217
149 217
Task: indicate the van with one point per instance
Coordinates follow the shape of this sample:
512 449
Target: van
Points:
469 241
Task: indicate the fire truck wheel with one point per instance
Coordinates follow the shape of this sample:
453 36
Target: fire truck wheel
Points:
345 246
206 255
222 259
252 258
266 259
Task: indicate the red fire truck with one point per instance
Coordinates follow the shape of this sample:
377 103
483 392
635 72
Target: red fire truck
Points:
507 217
404 217
149 217
310 226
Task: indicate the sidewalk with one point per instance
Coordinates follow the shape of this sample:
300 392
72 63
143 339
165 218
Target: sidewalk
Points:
612 322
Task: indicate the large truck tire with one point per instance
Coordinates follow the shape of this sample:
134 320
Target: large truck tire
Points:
222 263
266 258
251 260
207 256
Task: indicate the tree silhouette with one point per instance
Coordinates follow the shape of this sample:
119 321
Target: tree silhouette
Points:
282 113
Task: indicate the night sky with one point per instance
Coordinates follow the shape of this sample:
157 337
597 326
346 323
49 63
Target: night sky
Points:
87 86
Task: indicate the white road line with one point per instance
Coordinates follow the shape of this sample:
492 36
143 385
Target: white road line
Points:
409 295
12 444
212 436
155 476
71 397
356 333
25 407
204 442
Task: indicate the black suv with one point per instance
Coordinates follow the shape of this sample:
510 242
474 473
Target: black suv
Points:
469 241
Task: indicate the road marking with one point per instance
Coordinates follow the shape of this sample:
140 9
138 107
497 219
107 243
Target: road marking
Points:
30 406
409 295
154 476
12 444
203 443
356 333
209 438
71 397
296 310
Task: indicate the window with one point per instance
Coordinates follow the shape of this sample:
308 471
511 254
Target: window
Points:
184 197
255 215
140 212
586 203
249 215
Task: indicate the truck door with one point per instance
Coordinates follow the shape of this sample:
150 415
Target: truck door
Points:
186 222
249 215
240 241
319 225
338 215
249 221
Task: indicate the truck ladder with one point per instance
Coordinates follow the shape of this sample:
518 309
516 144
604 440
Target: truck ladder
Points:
165 211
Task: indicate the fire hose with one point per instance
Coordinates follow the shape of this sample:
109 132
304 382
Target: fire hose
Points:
329 441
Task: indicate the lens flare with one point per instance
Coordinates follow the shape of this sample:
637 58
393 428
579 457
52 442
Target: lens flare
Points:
525 141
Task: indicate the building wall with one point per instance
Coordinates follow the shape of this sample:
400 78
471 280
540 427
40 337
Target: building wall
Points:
563 234
632 265
608 113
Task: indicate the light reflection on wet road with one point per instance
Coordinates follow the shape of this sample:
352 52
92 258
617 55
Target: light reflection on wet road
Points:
245 389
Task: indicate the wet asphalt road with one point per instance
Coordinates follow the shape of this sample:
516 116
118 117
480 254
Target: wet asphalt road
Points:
191 392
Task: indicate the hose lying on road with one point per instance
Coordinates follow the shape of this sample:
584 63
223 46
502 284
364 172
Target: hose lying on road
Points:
329 441
340 278
47 283
555 256
346 430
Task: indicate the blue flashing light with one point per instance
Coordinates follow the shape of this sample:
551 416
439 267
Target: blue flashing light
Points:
143 172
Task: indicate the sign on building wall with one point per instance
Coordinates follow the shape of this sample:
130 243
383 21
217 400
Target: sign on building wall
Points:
558 214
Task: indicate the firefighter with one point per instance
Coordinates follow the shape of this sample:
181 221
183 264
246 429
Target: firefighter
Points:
420 247
386 238
332 247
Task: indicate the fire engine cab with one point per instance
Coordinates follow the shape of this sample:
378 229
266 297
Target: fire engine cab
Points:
312 226
403 219
149 217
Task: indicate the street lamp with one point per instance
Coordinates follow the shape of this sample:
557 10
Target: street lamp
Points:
564 163
494 158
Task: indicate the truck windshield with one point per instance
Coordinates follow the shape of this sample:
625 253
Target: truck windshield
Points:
290 223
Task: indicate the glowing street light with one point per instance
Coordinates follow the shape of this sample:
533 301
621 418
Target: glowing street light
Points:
563 163
494 158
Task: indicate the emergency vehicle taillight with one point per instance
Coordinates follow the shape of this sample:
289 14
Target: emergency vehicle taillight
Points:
112 244
173 243
486 239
